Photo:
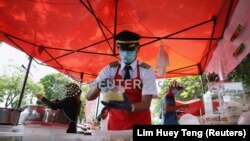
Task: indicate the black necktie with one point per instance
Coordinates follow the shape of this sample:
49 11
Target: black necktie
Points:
127 74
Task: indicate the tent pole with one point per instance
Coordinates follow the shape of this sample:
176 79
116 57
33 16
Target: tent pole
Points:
202 83
24 82
115 27
81 77
97 106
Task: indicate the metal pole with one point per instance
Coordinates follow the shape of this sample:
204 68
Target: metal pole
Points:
200 72
202 84
24 82
97 106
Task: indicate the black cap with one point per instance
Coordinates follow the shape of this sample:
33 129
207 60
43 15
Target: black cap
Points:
127 40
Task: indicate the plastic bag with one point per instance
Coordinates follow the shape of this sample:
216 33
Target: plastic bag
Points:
244 119
115 94
189 119
162 62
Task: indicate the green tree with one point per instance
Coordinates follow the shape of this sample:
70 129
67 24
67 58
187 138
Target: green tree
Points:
241 73
193 90
54 88
11 81
192 84
54 85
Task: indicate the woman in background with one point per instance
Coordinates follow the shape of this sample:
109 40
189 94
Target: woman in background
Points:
169 109
70 105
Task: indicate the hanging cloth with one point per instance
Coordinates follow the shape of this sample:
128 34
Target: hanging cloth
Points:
162 62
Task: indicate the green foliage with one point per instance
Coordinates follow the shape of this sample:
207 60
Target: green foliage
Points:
241 73
54 88
193 90
11 82
205 81
54 85
192 86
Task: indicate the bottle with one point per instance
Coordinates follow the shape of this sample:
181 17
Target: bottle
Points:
208 104
24 116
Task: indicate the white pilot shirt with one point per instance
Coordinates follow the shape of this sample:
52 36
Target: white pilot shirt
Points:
147 76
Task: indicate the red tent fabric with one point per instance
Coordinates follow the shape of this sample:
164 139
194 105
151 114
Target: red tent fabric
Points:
224 64
76 37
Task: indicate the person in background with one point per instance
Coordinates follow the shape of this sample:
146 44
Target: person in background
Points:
168 112
70 105
135 109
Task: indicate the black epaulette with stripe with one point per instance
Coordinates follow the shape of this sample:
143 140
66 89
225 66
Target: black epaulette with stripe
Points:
144 65
114 64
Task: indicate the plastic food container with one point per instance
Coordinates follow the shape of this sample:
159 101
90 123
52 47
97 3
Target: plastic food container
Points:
123 135
212 119
55 116
188 119
114 94
11 136
81 137
72 137
244 118
41 133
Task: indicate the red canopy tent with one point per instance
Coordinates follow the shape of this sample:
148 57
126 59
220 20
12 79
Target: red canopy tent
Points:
76 37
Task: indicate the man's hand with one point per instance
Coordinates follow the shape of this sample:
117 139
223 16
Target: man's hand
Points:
103 115
39 96
125 105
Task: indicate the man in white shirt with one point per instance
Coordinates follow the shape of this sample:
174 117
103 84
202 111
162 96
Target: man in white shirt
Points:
137 77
